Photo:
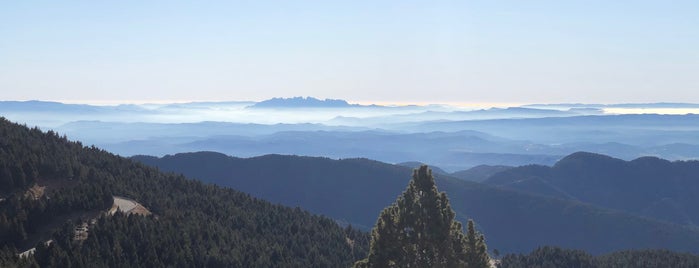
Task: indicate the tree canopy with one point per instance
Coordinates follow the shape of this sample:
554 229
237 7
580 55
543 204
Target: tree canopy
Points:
420 230
551 257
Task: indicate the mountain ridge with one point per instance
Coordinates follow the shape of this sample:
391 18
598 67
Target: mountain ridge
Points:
356 190
646 186
302 102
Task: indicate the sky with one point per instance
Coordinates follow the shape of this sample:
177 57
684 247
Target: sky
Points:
363 51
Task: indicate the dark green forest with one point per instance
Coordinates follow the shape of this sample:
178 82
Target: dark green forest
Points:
554 257
648 186
193 224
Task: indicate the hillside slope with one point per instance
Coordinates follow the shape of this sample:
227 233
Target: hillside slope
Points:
479 173
648 186
356 190
192 224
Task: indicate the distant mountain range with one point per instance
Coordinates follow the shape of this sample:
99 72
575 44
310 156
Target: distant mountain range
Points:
452 138
45 106
451 151
617 105
302 102
355 190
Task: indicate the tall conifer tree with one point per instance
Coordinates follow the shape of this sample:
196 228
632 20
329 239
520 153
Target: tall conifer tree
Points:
419 230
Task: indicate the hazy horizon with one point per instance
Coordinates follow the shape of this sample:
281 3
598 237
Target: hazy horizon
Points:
367 102
475 105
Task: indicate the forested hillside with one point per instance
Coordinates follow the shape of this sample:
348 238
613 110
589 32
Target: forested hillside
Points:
553 257
193 224
648 186
356 190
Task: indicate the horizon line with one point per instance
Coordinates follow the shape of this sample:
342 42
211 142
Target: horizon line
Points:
360 102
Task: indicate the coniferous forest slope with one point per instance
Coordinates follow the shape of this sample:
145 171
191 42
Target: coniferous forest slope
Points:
356 190
648 186
554 257
192 224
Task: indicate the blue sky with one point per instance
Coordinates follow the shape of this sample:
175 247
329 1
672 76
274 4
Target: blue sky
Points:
366 51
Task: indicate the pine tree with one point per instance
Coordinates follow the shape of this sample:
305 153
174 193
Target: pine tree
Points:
419 230
477 255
